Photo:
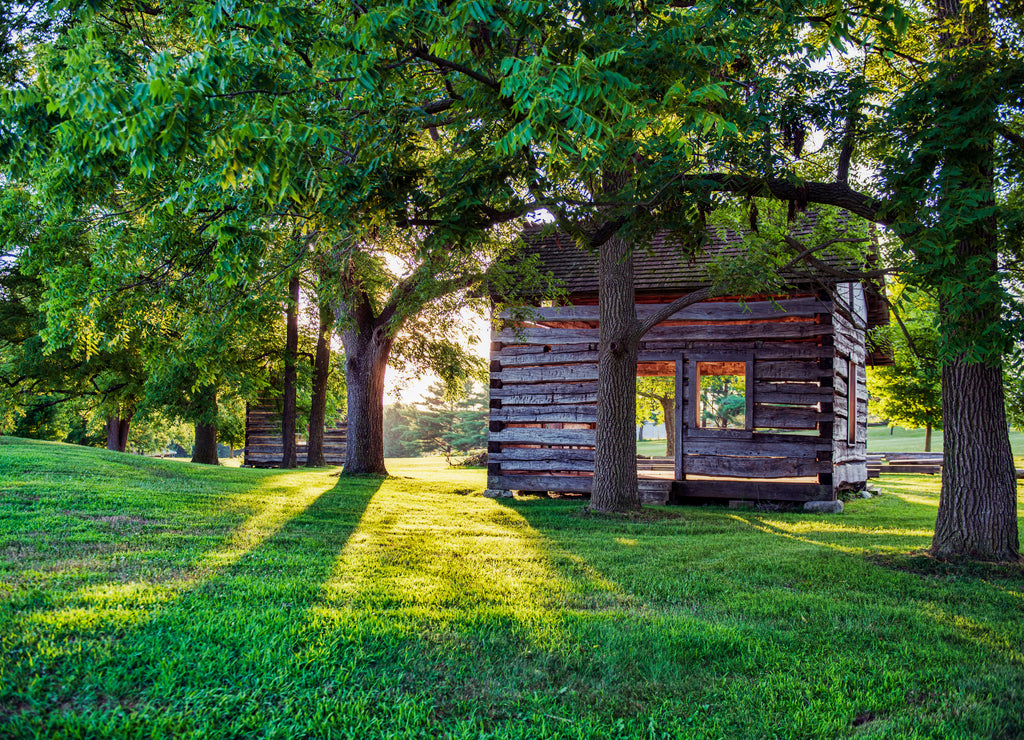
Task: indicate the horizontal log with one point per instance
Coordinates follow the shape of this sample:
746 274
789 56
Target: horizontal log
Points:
799 371
920 469
754 467
804 399
509 390
552 466
535 414
716 332
547 358
553 454
914 456
546 374
654 491
529 349
557 483
777 445
753 490
787 417
711 311
578 437
549 399
767 351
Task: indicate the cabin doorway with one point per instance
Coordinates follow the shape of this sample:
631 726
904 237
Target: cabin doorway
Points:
657 419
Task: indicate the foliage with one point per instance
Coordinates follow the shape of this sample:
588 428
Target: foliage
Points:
648 390
909 393
452 425
400 438
153 433
184 592
721 406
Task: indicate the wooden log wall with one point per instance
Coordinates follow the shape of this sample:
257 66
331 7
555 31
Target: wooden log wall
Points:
849 454
544 391
263 443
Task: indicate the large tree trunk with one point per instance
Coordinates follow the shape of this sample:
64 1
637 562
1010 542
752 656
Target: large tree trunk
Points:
318 402
977 515
367 348
117 430
204 450
291 358
615 479
978 503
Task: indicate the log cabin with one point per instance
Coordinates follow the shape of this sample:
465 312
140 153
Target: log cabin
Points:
264 443
770 397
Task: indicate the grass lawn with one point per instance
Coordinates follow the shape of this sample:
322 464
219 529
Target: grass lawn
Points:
150 598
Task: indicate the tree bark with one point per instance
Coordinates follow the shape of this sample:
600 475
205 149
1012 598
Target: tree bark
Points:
928 438
117 430
978 502
615 479
291 358
367 349
204 450
318 401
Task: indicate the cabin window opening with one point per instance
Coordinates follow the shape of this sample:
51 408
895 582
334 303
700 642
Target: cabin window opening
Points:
656 412
722 391
851 402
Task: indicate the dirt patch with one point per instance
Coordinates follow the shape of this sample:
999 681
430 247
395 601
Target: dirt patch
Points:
117 523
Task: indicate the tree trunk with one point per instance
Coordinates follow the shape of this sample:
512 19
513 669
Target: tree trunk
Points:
367 348
668 411
318 402
291 358
117 430
615 479
928 438
978 503
640 432
977 515
204 450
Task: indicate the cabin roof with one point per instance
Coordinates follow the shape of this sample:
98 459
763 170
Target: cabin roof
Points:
663 267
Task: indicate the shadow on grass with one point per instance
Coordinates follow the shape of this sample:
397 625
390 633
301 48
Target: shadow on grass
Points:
236 618
815 599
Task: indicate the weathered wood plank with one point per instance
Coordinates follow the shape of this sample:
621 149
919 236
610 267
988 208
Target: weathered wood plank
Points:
509 390
577 437
709 311
773 351
534 414
717 332
547 358
754 467
558 483
753 490
789 444
551 466
787 417
546 374
549 399
805 399
799 371
511 454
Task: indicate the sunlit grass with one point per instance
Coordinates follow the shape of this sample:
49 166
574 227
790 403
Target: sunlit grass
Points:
159 599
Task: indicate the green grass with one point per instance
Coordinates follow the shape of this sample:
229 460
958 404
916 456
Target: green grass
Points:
149 598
